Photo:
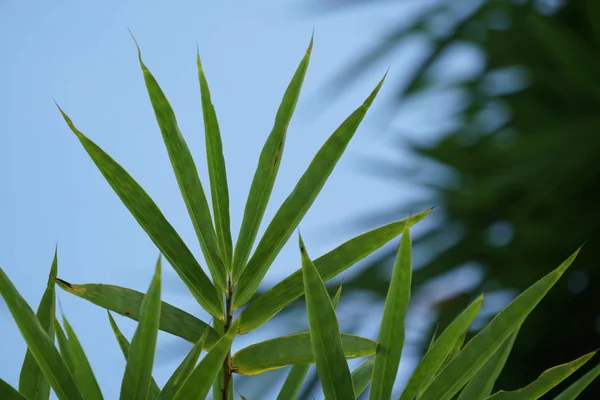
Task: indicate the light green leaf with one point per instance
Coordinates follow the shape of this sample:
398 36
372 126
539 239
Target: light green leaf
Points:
264 307
186 175
298 202
124 345
292 350
443 345
128 303
392 329
328 350
483 345
39 343
216 170
201 379
183 371
32 383
482 384
361 376
545 382
151 219
579 386
8 392
138 371
293 382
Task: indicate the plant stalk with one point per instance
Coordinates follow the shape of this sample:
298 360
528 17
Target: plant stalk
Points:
227 363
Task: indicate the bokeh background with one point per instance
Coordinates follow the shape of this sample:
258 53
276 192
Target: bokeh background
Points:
489 113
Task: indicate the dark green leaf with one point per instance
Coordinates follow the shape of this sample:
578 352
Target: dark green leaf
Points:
293 382
579 386
361 376
7 392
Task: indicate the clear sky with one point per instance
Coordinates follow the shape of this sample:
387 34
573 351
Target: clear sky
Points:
80 54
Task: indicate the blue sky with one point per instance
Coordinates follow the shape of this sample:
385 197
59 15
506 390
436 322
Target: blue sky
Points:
81 55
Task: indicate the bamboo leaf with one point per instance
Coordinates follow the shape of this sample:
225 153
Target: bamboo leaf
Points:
7 392
128 303
293 382
361 376
186 175
264 307
32 383
151 219
483 345
392 329
266 171
292 350
549 379
216 170
298 202
573 391
332 367
138 371
39 343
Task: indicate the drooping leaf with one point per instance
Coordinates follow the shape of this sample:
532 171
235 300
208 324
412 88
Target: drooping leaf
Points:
361 376
483 345
293 382
186 173
39 343
576 388
298 202
216 170
549 379
151 219
264 307
291 350
32 383
392 329
266 171
140 360
8 392
332 367
128 303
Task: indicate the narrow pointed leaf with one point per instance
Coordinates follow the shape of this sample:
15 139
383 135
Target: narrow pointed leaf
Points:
218 387
138 370
264 307
434 357
291 350
124 345
573 391
482 384
201 379
65 350
39 343
186 175
392 329
483 345
361 376
128 303
298 202
151 219
266 171
336 299
293 382
183 371
7 392
454 351
32 383
216 171
332 367
549 379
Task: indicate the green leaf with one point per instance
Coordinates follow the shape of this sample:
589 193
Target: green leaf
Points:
7 392
549 379
292 350
151 219
216 170
63 344
32 383
293 382
266 171
186 175
298 202
138 371
483 346
392 329
201 379
39 343
579 386
361 376
128 303
264 307
482 384
183 371
443 345
332 367
124 345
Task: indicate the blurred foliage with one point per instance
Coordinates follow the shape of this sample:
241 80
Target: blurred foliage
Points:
522 158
